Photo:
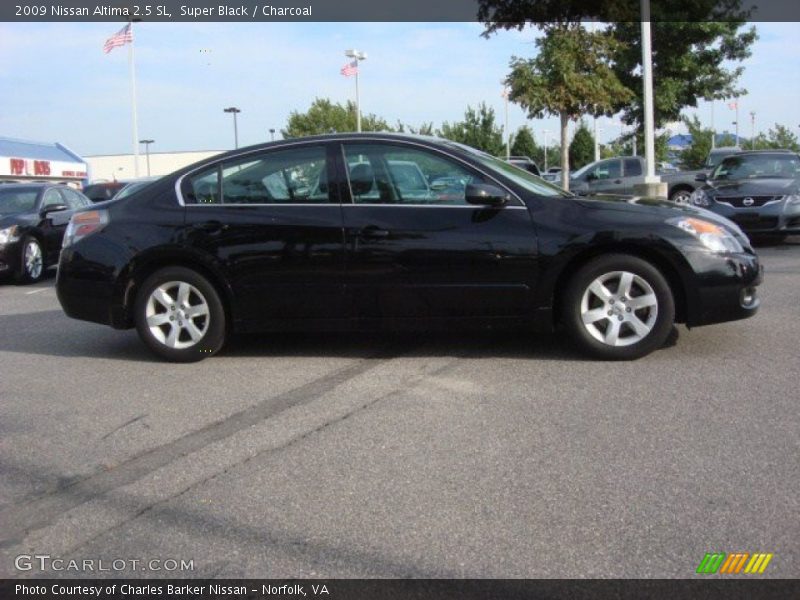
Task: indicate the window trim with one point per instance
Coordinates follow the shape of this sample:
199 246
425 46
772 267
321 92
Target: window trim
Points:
338 201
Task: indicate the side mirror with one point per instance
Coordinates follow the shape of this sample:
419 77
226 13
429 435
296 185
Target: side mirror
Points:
701 177
51 208
485 194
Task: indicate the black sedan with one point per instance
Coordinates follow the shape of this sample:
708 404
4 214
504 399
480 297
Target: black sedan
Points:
317 234
33 218
760 191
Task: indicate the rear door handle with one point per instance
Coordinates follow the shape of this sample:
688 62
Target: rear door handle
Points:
371 231
211 226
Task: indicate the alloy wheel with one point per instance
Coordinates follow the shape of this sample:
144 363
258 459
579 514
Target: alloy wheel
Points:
619 308
33 260
177 314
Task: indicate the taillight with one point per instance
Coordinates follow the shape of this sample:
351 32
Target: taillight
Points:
84 223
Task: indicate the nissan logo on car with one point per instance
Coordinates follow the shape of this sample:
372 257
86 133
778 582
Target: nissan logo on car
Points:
748 202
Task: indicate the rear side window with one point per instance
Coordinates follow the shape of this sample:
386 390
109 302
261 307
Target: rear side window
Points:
632 167
292 176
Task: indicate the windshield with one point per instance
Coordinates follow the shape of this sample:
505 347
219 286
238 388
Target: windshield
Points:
17 201
758 166
521 177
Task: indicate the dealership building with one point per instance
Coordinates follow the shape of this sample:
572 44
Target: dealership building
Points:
110 167
25 160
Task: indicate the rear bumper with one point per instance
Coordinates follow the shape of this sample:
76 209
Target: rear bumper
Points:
725 288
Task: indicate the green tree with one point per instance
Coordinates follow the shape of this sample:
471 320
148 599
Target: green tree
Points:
696 45
523 143
478 129
424 129
581 150
691 61
694 157
571 76
779 137
325 116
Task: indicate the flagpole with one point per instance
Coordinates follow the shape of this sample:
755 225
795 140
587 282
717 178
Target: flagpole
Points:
134 118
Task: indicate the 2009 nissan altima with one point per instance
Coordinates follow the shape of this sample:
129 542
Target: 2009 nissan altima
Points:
383 231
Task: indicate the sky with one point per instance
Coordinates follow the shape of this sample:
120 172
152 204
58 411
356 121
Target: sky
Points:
57 85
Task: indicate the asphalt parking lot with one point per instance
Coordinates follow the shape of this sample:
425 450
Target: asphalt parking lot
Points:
401 456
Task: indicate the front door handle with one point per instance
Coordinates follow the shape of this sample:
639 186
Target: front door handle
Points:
618 181
372 231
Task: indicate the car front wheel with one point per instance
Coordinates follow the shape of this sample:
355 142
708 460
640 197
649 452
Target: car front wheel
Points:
179 315
618 307
31 268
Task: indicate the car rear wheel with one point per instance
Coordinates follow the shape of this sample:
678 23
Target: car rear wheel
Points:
618 307
31 268
179 315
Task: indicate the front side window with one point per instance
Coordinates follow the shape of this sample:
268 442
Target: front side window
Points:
52 198
633 167
292 176
607 170
395 174
74 199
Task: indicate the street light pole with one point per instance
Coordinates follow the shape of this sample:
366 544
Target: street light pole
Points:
508 133
272 134
357 55
234 111
147 152
752 130
647 77
596 143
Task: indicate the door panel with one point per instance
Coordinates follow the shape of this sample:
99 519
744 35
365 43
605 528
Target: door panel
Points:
272 223
416 249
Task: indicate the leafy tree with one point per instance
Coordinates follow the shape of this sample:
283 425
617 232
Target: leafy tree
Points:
779 137
694 43
324 116
570 77
694 157
581 150
478 129
690 62
424 129
523 143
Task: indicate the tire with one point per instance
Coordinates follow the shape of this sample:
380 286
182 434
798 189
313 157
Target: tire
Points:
31 268
166 326
680 196
631 331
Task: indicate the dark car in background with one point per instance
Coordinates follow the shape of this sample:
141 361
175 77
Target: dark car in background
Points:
527 163
33 219
102 191
322 233
758 190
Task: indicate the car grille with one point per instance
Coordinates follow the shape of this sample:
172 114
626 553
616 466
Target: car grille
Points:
738 201
750 222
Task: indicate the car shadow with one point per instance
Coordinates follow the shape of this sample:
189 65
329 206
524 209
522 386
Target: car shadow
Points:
793 241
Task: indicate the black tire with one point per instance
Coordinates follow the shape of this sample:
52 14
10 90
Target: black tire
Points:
212 325
24 274
626 318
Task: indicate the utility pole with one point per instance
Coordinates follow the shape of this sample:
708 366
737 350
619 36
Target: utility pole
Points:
752 130
147 152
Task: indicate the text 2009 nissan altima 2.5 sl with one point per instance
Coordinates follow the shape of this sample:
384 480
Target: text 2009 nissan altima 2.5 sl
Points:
381 231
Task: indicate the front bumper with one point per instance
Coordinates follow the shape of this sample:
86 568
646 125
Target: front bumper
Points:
10 257
779 218
725 287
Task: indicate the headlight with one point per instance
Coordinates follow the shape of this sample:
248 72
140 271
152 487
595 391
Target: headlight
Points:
793 199
9 234
713 237
699 198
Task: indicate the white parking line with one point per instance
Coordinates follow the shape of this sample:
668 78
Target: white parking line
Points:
36 291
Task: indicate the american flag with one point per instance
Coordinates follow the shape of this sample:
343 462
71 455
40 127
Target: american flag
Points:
733 105
350 69
122 37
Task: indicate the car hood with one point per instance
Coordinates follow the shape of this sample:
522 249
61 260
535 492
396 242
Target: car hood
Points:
772 186
657 207
15 219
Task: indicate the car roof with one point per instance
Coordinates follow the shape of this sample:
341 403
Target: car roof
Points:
776 151
32 184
